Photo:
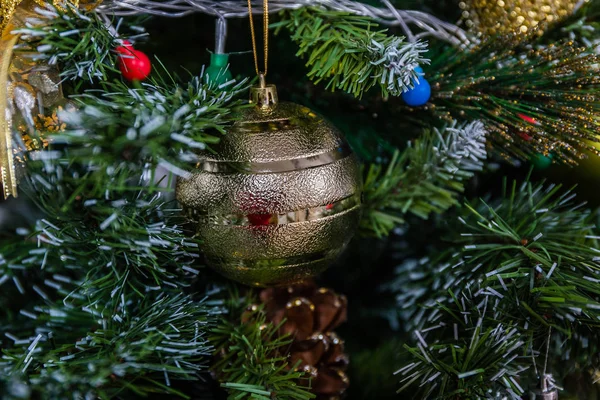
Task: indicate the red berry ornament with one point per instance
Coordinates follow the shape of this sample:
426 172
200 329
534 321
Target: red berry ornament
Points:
134 65
125 47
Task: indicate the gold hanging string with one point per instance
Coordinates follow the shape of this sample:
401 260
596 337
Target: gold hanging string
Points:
266 36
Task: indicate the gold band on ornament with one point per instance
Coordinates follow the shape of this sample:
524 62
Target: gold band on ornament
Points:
278 166
308 214
268 263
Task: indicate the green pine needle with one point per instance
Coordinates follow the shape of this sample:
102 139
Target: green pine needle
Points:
80 42
530 258
108 350
467 356
252 361
425 179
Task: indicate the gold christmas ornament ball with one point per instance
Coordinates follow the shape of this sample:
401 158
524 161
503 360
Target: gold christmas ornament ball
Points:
492 17
278 198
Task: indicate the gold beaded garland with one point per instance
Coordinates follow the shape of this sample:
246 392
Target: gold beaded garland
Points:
492 17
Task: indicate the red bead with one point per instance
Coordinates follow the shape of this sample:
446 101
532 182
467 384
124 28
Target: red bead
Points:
134 65
529 119
525 136
259 219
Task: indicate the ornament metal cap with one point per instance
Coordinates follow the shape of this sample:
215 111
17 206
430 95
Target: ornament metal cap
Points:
263 95
546 389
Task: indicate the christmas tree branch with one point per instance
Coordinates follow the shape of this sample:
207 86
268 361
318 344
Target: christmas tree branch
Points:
83 43
465 354
161 122
98 282
531 100
349 54
135 347
99 184
534 241
533 254
426 178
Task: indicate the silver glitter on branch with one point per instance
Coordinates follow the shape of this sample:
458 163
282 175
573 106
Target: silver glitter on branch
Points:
463 148
427 24
400 60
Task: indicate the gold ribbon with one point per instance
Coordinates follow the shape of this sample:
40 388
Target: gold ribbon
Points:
8 8
14 14
7 166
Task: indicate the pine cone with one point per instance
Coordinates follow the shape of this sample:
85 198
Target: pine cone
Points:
310 315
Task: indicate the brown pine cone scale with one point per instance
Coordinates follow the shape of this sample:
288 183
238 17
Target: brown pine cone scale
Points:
310 315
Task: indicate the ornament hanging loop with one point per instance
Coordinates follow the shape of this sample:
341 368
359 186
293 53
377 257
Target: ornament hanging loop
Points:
546 389
263 96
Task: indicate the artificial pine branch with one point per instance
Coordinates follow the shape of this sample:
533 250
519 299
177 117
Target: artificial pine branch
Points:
466 353
426 178
546 246
532 254
531 99
347 52
535 241
80 42
104 318
252 361
97 182
161 122
104 350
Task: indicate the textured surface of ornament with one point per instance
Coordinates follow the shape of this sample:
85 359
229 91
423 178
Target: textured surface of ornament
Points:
278 199
311 314
492 17
46 80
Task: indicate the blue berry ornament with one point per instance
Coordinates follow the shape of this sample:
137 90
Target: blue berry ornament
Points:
419 95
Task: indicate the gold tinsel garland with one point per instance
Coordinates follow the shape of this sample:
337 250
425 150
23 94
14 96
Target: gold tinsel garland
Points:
8 8
493 17
15 92
24 84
